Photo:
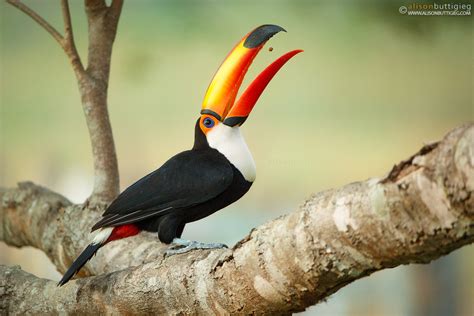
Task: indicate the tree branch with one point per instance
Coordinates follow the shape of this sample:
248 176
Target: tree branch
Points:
67 19
69 45
93 85
116 7
102 23
26 214
38 19
422 210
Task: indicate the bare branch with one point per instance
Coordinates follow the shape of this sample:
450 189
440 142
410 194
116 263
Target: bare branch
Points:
67 19
69 44
93 85
420 212
116 7
38 19
102 31
26 214
102 22
66 42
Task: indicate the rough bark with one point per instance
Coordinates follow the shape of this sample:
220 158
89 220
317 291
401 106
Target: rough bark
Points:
422 210
93 84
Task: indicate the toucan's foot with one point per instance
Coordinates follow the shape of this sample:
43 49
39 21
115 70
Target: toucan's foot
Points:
188 245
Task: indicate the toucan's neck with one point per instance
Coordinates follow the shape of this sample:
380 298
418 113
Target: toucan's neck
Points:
229 142
200 141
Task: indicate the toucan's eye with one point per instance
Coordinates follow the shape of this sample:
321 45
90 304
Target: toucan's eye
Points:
208 122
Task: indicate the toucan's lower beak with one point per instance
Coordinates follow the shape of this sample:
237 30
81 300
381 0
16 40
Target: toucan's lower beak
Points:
223 89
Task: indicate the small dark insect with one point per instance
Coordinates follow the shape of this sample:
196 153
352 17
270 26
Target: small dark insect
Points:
270 49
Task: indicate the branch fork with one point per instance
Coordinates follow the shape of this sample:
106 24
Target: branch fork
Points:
92 83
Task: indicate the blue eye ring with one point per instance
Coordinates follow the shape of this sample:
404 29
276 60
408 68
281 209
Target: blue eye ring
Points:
208 122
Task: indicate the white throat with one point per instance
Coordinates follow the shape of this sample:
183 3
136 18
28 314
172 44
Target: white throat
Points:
230 142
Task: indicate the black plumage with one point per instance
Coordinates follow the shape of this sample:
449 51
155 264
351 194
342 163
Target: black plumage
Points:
79 262
200 181
189 186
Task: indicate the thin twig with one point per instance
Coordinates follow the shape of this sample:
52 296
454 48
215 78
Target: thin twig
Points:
67 19
69 45
38 19
66 42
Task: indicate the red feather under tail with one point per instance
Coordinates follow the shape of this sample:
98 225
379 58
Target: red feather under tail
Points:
119 232
123 231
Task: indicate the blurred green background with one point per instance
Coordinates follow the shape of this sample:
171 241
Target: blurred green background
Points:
371 87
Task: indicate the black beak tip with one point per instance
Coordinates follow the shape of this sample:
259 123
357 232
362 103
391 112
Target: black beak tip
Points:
262 34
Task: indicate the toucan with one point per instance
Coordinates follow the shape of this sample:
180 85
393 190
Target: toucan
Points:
193 184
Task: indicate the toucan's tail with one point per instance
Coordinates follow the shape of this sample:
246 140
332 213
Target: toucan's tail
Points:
79 262
103 236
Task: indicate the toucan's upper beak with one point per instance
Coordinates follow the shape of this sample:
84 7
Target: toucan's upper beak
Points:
223 89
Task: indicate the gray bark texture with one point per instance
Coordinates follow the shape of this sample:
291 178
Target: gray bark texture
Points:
423 209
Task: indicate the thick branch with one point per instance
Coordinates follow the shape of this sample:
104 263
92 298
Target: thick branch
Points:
421 211
102 22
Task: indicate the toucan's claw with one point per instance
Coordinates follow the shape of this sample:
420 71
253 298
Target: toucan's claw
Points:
184 246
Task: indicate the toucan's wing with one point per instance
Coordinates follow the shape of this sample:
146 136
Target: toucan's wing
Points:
189 178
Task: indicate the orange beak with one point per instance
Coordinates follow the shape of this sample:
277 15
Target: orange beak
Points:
223 89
